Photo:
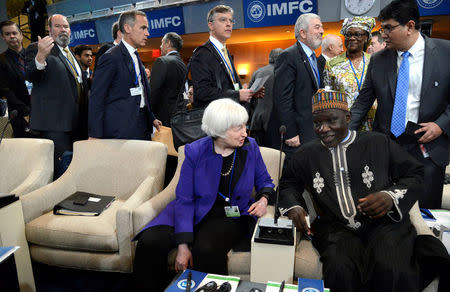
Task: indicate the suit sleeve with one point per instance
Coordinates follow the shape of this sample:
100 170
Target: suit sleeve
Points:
103 76
8 92
184 201
32 74
203 64
157 77
292 184
365 99
283 93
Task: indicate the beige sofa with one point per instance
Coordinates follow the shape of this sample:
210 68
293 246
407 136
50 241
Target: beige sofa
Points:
26 165
132 171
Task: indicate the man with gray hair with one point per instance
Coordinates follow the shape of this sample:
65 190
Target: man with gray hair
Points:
298 75
213 73
58 86
331 46
119 104
261 108
167 77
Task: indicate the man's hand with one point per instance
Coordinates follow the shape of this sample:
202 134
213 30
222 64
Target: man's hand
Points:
157 123
259 208
293 142
184 258
297 215
375 205
92 138
432 131
260 93
245 94
45 46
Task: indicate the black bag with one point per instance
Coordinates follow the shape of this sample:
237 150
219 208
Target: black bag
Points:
187 124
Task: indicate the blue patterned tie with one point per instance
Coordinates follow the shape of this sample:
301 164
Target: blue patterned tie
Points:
401 97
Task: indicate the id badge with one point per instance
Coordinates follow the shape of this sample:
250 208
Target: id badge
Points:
136 91
29 86
232 211
236 86
424 151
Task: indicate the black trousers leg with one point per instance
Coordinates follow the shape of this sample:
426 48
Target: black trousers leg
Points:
62 141
342 254
393 267
214 238
434 176
150 264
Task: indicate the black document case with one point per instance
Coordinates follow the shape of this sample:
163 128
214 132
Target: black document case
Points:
95 204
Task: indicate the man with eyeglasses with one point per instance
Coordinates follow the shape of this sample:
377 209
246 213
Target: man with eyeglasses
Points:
213 73
410 81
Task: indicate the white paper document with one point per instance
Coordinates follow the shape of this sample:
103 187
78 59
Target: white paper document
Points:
259 83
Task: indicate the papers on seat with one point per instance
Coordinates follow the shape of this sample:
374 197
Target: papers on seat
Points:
440 224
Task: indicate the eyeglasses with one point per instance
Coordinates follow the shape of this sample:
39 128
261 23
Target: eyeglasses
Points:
388 28
357 35
225 20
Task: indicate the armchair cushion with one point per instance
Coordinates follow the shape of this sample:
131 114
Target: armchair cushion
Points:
89 233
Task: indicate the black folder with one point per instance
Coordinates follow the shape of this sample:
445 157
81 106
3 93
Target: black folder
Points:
93 206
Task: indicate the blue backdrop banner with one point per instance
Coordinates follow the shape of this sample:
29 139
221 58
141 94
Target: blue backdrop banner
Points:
163 21
260 13
83 33
433 7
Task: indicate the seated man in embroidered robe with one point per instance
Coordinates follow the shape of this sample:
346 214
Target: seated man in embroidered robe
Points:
363 186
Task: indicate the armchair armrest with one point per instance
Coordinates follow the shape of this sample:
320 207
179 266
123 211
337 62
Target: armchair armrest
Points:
43 200
35 180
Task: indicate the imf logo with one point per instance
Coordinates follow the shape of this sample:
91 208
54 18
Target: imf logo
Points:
182 284
310 290
256 11
429 4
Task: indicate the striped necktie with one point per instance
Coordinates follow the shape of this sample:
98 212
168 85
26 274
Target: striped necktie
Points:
73 70
401 97
227 60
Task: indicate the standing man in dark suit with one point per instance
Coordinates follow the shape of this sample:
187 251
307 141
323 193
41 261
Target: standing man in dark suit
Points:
261 108
119 104
213 72
12 77
58 86
167 78
117 37
298 75
410 81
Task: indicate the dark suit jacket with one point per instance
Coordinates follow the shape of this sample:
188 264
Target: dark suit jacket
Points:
113 112
54 98
294 87
166 80
381 82
206 63
12 84
103 49
261 108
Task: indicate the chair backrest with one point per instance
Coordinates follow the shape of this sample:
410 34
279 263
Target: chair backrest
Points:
116 167
271 159
19 157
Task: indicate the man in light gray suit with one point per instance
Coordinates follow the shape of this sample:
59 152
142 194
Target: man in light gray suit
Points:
410 81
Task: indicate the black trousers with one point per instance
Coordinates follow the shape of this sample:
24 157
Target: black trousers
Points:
63 141
213 238
434 176
379 258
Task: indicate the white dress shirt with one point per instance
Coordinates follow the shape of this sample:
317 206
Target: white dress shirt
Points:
132 51
416 59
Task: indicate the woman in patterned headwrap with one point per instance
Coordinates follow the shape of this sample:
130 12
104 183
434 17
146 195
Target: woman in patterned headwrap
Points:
347 71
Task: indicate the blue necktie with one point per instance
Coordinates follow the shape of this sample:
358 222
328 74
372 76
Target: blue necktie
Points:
313 63
401 97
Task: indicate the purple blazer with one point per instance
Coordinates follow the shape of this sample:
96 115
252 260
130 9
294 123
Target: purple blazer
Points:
199 180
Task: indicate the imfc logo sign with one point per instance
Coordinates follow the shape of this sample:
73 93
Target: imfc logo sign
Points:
165 20
275 12
429 4
83 33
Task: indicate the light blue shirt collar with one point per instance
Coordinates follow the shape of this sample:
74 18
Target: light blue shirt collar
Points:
307 50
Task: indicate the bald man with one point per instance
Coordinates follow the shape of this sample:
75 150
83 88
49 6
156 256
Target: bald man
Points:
331 46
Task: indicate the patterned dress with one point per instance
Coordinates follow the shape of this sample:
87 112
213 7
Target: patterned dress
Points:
338 75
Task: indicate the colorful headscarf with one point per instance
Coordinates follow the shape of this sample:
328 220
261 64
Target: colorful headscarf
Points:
363 22
329 99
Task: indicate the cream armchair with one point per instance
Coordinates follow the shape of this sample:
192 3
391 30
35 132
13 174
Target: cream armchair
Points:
238 262
26 165
132 171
